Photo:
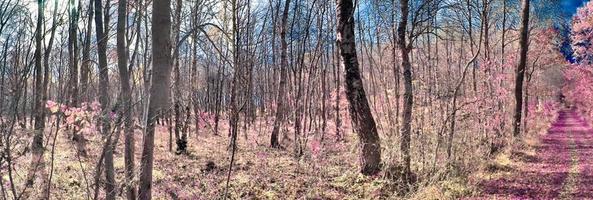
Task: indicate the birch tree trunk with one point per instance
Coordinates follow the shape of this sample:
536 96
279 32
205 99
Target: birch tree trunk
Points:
362 118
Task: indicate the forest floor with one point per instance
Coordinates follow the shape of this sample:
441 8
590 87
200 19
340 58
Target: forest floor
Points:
558 167
325 171
555 165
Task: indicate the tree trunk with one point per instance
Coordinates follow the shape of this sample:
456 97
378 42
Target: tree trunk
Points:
194 80
362 118
73 91
104 100
126 98
280 112
73 55
520 72
338 76
2 77
181 139
234 101
159 92
408 93
86 57
37 161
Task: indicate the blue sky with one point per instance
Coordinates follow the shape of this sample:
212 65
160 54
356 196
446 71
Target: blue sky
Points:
570 6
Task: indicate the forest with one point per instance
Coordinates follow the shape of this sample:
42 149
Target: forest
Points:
296 99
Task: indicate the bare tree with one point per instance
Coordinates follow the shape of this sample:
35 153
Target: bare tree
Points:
37 161
104 100
408 89
159 91
126 97
362 118
86 55
520 72
280 104
73 54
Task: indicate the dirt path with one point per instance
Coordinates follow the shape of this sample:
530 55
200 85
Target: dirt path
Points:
561 169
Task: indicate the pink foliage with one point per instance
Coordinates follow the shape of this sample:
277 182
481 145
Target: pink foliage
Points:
582 34
579 87
81 118
95 106
496 90
52 106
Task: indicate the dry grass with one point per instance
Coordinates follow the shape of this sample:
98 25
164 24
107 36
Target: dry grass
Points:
259 172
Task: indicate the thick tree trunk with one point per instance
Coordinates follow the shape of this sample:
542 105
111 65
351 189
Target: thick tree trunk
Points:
362 118
159 92
520 72
180 135
408 93
280 104
73 55
486 24
37 161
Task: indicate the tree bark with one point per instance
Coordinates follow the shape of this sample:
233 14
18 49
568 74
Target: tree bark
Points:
362 118
181 137
408 90
85 66
520 72
104 100
37 161
159 92
280 112
73 55
235 98
126 98
73 90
